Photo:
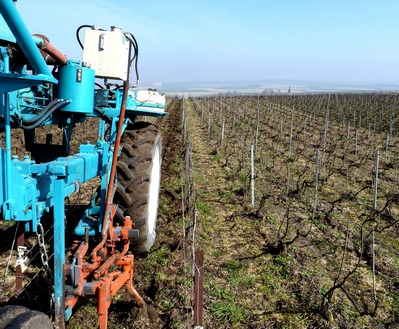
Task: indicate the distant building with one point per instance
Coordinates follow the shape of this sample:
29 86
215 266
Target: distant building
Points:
267 91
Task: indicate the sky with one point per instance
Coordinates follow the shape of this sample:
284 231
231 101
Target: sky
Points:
344 41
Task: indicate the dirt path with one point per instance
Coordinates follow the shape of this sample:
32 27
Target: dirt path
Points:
215 201
228 237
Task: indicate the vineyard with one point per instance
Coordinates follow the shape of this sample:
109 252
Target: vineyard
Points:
324 214
293 200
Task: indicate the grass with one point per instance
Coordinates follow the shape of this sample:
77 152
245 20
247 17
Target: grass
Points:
203 208
5 224
228 312
159 256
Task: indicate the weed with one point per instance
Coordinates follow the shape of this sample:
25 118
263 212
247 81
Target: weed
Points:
244 281
187 282
174 166
237 276
337 217
243 176
159 256
217 157
286 263
86 317
323 290
339 235
233 265
200 192
319 224
164 209
216 253
203 208
228 312
367 199
4 224
167 305
221 292
394 302
288 160
270 218
225 194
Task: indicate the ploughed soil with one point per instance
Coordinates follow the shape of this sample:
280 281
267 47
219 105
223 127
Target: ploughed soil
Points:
156 276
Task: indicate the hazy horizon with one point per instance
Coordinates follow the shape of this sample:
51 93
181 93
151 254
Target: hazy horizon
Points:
269 86
326 41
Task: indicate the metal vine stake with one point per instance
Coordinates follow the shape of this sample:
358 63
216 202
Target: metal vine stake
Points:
316 182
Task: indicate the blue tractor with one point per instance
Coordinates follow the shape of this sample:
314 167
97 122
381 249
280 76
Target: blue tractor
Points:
39 87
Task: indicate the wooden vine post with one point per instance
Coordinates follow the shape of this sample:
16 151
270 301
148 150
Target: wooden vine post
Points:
198 289
19 270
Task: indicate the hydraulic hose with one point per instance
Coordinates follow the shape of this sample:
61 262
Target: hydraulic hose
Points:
77 33
42 113
135 57
43 116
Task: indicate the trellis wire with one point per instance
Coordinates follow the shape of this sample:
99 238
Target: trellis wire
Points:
386 147
209 123
376 180
368 134
373 269
326 129
186 193
316 182
291 128
9 257
31 259
356 139
198 288
222 137
252 176
257 126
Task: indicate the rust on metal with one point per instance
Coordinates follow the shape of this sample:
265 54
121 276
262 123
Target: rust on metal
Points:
51 54
198 288
110 189
95 278
107 271
19 276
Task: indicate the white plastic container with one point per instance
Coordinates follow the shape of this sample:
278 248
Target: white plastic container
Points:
150 97
107 53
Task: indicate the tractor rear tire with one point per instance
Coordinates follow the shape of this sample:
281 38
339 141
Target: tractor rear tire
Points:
139 176
9 313
31 320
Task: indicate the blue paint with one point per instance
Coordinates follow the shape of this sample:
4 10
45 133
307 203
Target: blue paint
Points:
30 187
76 83
24 38
59 248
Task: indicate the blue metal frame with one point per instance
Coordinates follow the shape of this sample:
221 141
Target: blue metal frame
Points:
28 46
29 189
